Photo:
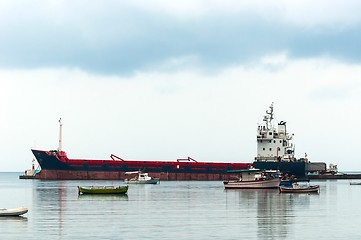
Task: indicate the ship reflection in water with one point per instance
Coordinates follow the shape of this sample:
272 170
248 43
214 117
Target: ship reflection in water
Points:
274 214
262 208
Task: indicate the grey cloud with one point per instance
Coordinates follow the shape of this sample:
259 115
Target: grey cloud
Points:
123 42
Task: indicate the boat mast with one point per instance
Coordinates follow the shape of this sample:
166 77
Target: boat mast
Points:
60 135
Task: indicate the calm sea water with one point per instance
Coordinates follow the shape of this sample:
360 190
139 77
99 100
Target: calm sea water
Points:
178 210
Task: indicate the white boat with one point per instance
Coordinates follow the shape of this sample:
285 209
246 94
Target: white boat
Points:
141 178
254 179
4 212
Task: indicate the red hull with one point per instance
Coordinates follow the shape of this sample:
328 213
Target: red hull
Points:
101 175
57 165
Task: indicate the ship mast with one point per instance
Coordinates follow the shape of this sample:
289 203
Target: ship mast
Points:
60 135
269 117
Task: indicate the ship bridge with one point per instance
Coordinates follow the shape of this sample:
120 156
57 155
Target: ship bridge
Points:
273 144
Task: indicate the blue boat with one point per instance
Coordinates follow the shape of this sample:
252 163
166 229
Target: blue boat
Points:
298 186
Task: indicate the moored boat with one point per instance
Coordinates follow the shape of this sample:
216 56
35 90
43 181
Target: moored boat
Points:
254 179
5 212
141 178
103 189
298 186
355 183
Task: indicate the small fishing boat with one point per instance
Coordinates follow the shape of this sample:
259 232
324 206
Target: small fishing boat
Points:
5 212
254 179
294 186
355 183
103 189
141 178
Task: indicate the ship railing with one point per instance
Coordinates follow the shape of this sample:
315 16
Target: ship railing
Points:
279 159
266 159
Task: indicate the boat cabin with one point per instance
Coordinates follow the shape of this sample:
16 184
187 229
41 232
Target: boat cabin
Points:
256 174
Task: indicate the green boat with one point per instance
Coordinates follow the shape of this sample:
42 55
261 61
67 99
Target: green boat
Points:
103 189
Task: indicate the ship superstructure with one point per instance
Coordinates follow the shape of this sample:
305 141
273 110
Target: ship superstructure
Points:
274 144
276 150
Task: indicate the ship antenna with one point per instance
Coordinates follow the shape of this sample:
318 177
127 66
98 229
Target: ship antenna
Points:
268 119
60 135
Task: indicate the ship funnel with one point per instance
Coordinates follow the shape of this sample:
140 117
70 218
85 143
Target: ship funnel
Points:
282 129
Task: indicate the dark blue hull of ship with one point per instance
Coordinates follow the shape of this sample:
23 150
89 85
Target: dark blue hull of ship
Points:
292 168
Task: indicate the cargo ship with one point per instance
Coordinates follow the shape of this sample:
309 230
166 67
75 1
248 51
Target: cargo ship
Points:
56 165
274 151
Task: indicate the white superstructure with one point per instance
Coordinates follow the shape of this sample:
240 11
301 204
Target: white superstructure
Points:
274 144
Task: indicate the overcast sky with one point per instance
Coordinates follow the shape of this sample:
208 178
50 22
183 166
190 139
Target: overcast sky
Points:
165 80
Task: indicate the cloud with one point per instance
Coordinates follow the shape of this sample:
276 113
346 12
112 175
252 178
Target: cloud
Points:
125 37
305 13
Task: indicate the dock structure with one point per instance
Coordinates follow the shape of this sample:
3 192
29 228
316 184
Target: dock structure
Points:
27 177
337 176
30 173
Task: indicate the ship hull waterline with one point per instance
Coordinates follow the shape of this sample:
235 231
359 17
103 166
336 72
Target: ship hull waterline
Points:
47 174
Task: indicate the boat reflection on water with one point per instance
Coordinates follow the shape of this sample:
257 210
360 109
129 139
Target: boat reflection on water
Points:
12 226
103 197
14 219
